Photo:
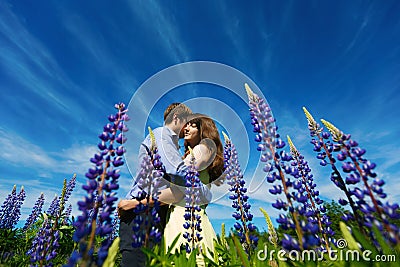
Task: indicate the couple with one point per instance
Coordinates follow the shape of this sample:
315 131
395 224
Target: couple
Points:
201 134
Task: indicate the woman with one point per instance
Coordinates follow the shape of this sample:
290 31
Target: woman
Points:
201 134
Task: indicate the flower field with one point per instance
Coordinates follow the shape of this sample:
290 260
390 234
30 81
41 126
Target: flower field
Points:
361 229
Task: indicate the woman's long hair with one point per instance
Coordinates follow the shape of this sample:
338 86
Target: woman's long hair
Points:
208 129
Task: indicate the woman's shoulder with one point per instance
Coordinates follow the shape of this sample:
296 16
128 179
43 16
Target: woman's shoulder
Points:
201 148
207 143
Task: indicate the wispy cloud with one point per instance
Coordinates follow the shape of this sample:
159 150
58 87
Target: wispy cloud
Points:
163 26
233 28
23 153
39 83
20 152
96 46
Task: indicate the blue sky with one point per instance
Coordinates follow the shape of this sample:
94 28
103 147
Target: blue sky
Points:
63 65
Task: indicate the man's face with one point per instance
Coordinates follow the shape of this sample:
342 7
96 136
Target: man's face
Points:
182 123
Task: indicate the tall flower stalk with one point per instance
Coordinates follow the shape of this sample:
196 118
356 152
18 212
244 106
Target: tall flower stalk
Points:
314 209
45 244
192 208
54 206
275 165
359 170
36 211
102 182
11 209
145 223
234 176
325 148
67 213
273 237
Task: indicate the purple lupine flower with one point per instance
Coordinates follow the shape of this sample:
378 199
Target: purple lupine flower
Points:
314 209
234 176
325 149
7 208
98 205
145 225
66 215
70 187
192 208
370 197
11 209
277 163
54 206
44 248
45 244
115 227
36 211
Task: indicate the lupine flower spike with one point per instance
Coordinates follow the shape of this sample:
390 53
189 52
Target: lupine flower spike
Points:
192 208
7 209
115 227
276 165
67 192
360 170
234 176
273 237
45 244
102 182
36 211
11 209
152 170
57 206
325 148
315 212
52 210
44 248
66 215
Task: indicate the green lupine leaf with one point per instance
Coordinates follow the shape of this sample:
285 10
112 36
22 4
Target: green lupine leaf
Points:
172 245
366 244
385 247
351 242
242 254
112 253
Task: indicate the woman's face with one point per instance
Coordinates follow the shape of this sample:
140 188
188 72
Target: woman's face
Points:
192 134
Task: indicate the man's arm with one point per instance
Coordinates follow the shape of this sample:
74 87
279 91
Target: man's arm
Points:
176 168
166 196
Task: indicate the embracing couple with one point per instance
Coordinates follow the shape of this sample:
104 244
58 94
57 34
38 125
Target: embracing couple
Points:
201 134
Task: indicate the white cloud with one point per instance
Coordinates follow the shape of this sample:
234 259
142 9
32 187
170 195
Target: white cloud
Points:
94 45
31 64
20 152
163 26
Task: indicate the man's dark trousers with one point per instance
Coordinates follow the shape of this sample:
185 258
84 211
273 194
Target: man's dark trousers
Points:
135 257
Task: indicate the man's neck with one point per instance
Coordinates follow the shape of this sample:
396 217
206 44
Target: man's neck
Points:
171 127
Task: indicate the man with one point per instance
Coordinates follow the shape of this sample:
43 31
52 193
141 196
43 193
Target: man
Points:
167 143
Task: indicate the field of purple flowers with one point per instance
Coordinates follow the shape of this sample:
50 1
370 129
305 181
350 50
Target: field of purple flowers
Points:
369 224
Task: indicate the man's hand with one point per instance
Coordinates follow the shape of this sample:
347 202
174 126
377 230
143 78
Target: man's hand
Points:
125 205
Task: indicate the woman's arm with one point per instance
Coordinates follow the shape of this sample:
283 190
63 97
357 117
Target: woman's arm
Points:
204 155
